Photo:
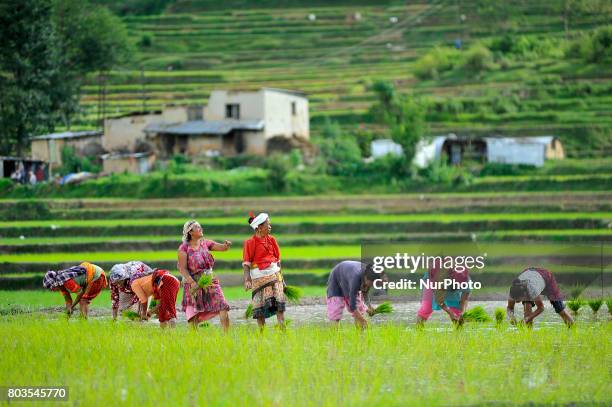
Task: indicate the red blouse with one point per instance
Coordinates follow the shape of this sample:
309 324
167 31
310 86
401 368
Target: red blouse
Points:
260 252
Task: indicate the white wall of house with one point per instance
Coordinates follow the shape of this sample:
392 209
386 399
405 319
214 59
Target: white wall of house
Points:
286 114
251 105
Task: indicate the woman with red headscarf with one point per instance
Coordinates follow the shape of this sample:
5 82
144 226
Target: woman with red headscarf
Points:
452 301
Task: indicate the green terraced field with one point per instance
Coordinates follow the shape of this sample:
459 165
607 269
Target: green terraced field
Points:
334 59
322 252
444 218
37 241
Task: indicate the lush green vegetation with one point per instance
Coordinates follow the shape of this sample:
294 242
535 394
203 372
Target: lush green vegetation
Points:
344 366
527 77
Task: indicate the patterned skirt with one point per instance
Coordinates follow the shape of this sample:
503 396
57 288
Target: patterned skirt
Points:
268 296
96 287
167 300
207 303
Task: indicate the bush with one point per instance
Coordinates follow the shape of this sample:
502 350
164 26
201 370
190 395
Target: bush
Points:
524 47
341 153
497 169
505 104
178 164
478 58
146 41
440 173
278 167
243 160
72 163
436 61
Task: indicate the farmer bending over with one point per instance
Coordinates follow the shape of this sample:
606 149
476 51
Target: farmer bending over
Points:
528 288
348 283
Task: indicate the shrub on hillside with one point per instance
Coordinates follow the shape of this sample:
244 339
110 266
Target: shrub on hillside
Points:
340 152
523 47
478 58
595 47
278 167
436 61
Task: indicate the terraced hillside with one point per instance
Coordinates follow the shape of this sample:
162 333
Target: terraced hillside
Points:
334 50
568 232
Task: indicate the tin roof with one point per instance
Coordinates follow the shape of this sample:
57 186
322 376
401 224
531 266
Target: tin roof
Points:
195 127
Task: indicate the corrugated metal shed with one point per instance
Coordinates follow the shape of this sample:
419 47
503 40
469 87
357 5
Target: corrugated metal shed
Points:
518 150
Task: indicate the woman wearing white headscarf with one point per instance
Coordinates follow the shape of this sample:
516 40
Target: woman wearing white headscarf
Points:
262 272
121 277
195 260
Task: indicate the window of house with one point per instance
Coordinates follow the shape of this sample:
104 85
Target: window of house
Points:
195 113
293 109
232 111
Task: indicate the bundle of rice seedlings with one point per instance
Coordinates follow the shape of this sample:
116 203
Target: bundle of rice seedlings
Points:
500 315
154 303
384 308
249 312
132 315
205 281
476 314
609 305
575 306
293 293
595 305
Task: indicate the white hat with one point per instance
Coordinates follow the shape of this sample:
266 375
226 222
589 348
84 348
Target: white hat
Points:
258 220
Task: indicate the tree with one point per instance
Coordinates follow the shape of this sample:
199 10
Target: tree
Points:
90 39
403 114
47 48
28 62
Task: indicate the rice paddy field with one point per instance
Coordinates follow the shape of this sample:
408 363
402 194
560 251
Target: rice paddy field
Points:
392 363
559 218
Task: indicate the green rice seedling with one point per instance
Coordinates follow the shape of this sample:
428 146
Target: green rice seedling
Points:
476 314
595 305
609 305
153 307
575 306
131 315
248 313
576 291
384 308
293 293
500 315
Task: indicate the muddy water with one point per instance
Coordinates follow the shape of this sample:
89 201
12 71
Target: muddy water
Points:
313 311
